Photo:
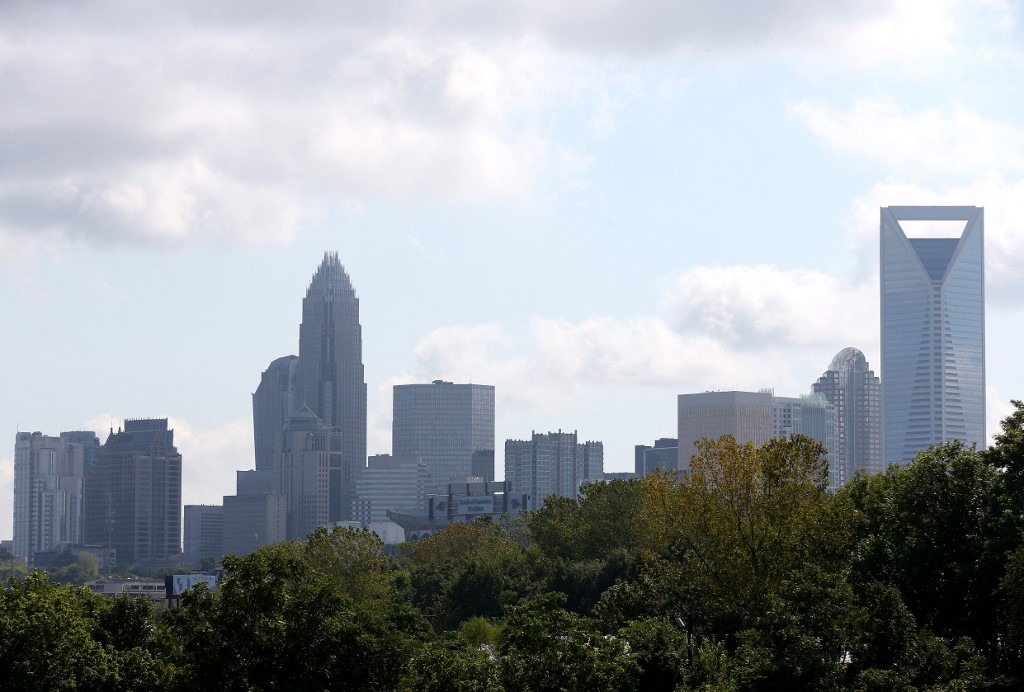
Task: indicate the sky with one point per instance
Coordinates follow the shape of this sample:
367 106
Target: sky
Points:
593 206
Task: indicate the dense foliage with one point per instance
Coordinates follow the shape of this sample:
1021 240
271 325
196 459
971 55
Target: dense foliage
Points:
741 573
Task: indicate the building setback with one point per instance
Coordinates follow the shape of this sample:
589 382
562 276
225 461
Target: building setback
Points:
133 493
450 427
552 464
330 378
933 332
48 493
856 392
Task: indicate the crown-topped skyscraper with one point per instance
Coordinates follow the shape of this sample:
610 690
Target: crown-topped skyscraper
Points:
330 378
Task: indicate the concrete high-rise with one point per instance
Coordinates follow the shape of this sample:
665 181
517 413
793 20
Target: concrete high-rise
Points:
856 393
48 493
445 425
752 417
133 493
272 403
552 464
330 378
747 416
933 331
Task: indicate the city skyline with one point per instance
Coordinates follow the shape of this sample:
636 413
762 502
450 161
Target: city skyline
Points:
593 213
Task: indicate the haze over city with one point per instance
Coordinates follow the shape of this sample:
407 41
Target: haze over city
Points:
592 209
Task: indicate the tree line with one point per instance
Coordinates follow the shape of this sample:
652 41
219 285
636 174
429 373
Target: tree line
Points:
742 573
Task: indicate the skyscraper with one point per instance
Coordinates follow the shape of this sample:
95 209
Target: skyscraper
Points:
133 493
552 464
445 425
747 416
330 378
48 480
752 417
852 387
272 403
933 331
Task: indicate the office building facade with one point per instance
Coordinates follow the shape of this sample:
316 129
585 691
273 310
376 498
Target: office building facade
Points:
553 463
855 391
256 515
747 416
663 456
48 493
330 378
933 331
133 493
204 533
450 427
390 482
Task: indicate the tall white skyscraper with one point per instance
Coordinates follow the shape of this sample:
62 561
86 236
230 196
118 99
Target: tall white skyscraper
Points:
48 493
933 331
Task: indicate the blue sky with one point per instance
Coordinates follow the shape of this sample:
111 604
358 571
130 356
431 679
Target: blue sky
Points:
592 206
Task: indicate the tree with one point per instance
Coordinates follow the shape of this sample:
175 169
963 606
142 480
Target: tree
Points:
926 529
545 647
727 533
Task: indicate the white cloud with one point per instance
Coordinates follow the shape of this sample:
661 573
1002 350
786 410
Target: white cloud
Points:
731 326
161 123
1004 227
953 142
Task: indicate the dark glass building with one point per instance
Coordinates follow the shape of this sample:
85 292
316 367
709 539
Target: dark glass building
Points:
272 403
933 332
133 493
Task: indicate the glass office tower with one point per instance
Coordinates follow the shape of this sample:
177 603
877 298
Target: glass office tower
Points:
933 332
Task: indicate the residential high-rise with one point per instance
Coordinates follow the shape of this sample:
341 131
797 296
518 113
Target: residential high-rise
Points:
330 378
856 392
133 493
48 484
272 403
445 425
933 331
747 416
311 474
552 464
